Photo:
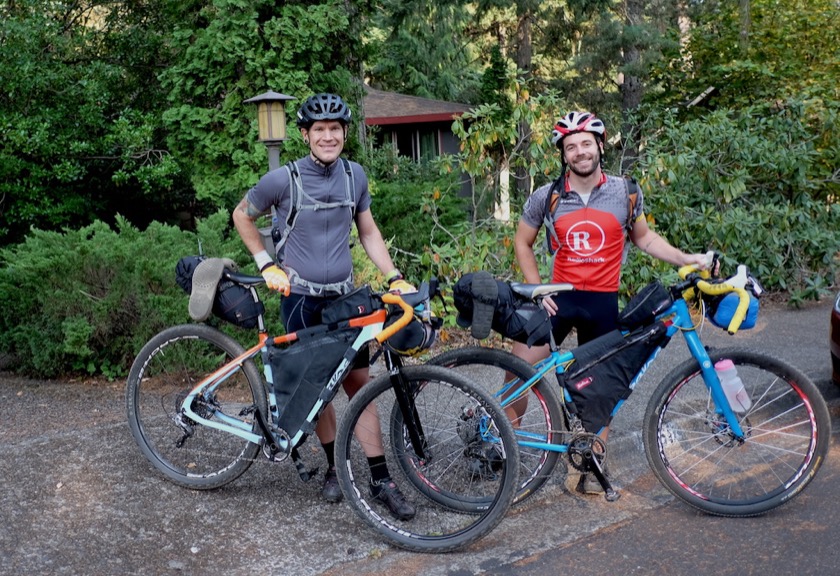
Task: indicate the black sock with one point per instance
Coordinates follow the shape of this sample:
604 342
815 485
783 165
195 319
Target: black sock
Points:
378 469
329 450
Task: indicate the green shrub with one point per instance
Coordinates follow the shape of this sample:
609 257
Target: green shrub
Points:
414 217
751 184
85 301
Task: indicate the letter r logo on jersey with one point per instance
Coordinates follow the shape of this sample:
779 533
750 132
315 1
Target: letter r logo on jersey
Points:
585 238
580 241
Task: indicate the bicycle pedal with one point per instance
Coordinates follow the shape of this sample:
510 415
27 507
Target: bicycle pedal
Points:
611 495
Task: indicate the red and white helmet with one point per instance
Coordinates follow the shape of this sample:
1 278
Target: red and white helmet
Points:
577 122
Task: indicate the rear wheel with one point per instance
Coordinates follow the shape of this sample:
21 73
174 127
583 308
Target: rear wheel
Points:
539 419
463 480
694 453
168 367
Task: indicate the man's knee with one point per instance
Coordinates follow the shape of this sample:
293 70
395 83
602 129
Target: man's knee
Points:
355 380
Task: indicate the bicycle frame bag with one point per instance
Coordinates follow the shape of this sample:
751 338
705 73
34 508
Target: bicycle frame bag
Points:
514 317
359 302
642 309
306 370
599 378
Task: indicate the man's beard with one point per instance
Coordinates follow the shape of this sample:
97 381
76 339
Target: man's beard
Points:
596 163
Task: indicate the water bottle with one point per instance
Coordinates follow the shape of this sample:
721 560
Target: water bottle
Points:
734 389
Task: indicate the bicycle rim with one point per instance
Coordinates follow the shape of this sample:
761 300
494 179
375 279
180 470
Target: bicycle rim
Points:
477 476
164 372
694 454
542 418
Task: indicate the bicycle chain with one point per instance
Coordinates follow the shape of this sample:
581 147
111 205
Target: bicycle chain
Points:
267 459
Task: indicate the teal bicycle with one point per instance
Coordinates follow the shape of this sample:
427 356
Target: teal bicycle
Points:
721 457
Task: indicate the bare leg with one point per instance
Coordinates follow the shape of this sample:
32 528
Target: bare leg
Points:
368 431
532 355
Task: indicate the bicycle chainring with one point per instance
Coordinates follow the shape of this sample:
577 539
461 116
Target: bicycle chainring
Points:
583 446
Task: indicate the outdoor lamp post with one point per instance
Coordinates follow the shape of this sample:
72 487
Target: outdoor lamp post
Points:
271 118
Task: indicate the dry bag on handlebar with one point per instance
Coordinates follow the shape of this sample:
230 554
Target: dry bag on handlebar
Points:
305 371
513 316
721 309
419 335
602 371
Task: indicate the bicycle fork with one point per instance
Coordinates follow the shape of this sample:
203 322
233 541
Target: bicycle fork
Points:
405 400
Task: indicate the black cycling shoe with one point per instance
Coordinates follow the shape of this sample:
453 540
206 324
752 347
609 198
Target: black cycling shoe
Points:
588 483
387 492
331 490
485 294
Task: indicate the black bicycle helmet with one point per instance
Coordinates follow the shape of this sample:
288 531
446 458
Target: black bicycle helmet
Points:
323 107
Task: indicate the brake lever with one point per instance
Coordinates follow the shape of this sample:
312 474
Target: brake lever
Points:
755 286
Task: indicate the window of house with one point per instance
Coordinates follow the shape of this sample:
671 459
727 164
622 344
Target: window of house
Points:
428 145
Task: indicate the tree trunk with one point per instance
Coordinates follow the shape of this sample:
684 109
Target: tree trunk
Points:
746 24
524 55
502 208
632 88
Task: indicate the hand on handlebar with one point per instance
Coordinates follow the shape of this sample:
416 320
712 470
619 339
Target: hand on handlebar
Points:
276 279
400 286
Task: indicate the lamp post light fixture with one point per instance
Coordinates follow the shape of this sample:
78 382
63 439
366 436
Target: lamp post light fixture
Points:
271 119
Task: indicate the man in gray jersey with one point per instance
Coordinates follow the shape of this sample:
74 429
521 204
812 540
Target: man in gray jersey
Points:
313 263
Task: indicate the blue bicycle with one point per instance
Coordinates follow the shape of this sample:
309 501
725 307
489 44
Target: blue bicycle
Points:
728 458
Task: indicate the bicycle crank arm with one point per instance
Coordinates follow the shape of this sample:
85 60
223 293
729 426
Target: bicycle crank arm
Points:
610 494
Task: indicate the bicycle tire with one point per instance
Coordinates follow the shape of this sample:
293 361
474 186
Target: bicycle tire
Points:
544 420
165 370
693 454
448 407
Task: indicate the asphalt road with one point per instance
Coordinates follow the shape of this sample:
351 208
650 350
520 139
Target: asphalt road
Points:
78 498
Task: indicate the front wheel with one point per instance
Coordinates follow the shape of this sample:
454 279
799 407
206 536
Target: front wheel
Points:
693 452
469 453
168 367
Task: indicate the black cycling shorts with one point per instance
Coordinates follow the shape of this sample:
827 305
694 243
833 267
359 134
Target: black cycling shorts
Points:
592 314
299 311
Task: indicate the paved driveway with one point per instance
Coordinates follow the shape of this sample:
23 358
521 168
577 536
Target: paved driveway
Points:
78 497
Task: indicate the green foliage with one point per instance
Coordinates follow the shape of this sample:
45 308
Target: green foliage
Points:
401 31
752 185
487 135
791 50
415 217
85 301
235 50
80 134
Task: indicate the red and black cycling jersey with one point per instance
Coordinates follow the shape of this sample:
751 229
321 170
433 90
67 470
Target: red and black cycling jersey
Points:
591 235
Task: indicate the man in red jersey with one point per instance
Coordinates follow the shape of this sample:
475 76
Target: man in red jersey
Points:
591 219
